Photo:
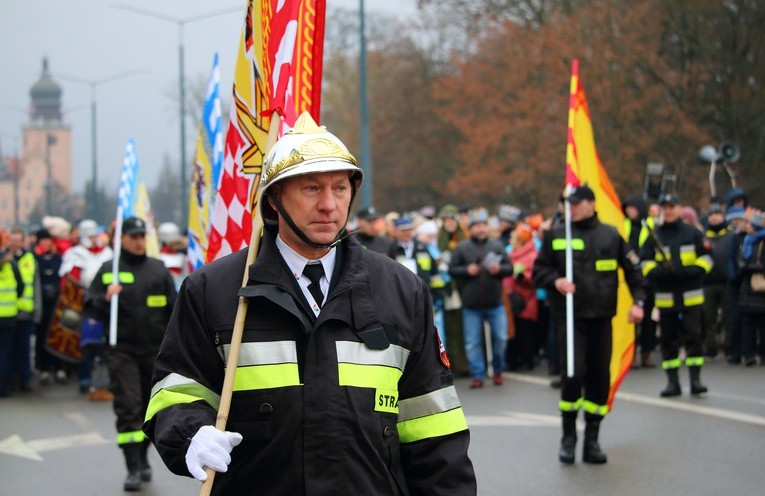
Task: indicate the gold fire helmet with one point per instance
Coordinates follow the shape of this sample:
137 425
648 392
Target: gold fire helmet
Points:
307 148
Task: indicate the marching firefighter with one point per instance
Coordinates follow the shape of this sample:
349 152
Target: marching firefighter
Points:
598 251
675 261
146 297
341 387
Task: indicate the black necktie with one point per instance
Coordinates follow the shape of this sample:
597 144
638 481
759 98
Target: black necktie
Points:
314 272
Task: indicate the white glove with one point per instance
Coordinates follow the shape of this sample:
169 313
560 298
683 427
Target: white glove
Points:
210 448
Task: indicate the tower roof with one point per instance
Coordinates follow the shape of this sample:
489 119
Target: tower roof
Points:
46 97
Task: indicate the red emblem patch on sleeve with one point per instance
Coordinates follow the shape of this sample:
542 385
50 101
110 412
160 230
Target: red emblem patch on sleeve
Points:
442 355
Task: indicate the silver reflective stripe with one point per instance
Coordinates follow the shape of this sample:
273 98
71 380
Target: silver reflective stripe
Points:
358 353
265 353
438 401
177 380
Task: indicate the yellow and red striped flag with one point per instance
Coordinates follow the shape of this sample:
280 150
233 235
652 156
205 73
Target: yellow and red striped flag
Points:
278 68
583 165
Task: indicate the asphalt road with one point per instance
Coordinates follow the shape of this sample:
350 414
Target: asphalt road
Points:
55 442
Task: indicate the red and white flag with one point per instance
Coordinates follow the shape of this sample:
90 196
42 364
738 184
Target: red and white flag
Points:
278 68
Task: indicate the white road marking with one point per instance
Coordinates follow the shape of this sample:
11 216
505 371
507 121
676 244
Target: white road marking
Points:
16 446
663 403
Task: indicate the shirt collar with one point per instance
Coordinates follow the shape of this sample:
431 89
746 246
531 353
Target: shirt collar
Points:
297 262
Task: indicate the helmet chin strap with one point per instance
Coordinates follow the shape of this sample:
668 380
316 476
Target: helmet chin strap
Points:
303 237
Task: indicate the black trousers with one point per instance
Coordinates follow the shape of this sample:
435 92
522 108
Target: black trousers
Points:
130 376
681 328
593 344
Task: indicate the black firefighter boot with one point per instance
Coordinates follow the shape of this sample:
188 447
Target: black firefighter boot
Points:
568 441
132 453
145 468
673 384
592 452
696 386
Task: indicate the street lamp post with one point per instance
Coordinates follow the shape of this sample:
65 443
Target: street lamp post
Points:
181 86
93 141
366 154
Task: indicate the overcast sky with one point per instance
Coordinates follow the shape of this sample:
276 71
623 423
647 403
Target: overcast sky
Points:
93 41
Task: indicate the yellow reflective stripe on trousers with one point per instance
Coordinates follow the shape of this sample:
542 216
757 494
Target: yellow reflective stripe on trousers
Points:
605 265
438 401
559 244
693 298
694 361
594 408
176 389
438 424
130 437
664 300
570 406
673 363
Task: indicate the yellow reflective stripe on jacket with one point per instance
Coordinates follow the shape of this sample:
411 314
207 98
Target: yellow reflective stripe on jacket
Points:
606 265
424 261
673 363
697 361
693 298
26 265
265 365
154 301
130 437
687 254
441 400
664 300
437 424
560 244
570 406
8 296
648 266
176 389
705 262
359 366
124 277
594 408
661 258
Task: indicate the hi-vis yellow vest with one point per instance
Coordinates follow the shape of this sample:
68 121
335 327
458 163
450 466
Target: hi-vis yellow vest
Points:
26 265
8 299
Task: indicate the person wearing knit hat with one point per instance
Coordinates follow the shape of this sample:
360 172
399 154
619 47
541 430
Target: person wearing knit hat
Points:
751 302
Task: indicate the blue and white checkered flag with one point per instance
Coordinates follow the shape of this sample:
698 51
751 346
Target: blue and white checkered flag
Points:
128 180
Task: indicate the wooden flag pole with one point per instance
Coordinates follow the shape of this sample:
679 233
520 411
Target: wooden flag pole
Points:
241 310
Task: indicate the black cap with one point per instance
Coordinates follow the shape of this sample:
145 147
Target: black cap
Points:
42 234
133 225
369 213
581 193
669 198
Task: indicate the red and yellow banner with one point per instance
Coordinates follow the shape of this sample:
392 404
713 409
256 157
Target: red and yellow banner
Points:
278 68
583 166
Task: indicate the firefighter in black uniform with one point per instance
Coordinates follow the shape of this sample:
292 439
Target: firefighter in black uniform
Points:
675 262
341 387
598 251
146 298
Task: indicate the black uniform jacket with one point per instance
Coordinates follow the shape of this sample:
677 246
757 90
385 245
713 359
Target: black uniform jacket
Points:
357 401
676 275
145 303
598 250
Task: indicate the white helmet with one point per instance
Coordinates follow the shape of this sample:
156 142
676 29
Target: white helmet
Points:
88 228
168 232
305 149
